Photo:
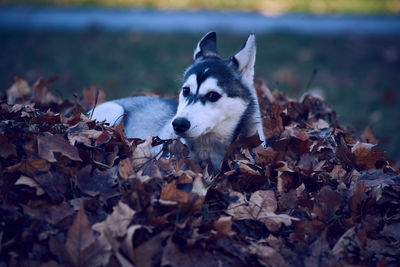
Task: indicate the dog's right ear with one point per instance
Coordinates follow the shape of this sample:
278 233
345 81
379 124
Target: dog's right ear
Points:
244 60
207 47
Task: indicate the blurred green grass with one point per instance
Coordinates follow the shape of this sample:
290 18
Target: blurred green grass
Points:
266 6
359 76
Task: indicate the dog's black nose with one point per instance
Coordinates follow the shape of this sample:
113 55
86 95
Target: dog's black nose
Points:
181 125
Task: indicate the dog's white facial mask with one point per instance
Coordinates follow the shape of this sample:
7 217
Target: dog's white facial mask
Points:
205 115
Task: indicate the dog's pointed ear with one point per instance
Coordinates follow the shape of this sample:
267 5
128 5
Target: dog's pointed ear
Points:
244 59
207 46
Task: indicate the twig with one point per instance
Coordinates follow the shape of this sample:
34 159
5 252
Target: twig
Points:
122 115
102 164
95 104
314 73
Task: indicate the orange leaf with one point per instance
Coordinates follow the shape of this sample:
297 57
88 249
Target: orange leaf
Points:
367 154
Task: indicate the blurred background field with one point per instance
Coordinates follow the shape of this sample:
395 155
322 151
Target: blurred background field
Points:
265 6
359 75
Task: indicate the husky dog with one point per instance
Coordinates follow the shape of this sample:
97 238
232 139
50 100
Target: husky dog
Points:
217 102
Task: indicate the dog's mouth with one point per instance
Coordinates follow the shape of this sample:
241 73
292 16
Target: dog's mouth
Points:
189 133
182 135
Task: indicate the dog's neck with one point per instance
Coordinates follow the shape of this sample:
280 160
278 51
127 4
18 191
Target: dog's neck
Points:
208 147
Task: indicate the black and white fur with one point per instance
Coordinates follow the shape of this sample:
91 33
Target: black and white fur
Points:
216 104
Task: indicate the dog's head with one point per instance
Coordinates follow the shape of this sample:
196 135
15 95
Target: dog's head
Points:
216 92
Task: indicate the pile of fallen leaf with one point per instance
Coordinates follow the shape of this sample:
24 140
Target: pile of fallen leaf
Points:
74 192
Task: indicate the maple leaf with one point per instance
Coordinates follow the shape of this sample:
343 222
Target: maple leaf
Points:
261 206
367 154
42 93
82 248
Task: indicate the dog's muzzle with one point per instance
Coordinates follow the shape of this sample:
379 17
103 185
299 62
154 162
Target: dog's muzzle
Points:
181 125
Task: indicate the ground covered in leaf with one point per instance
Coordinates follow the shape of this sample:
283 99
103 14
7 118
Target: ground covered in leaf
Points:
74 192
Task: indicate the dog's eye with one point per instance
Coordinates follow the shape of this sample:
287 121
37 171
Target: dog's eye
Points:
213 96
185 91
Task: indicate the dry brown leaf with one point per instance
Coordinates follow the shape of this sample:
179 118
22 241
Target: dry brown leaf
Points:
125 169
142 153
245 167
31 183
82 248
327 202
189 190
20 90
174 255
198 186
357 198
338 173
367 154
263 91
319 124
84 137
89 97
80 133
116 224
143 162
368 136
149 253
261 206
30 167
129 241
294 132
6 147
169 192
103 138
42 93
285 181
48 145
314 172
93 181
265 201
272 122
54 214
224 226
266 155
267 256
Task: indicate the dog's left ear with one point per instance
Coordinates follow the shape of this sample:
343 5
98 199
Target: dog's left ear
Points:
245 59
207 46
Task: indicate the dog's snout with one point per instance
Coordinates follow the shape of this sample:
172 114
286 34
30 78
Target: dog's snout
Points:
181 125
